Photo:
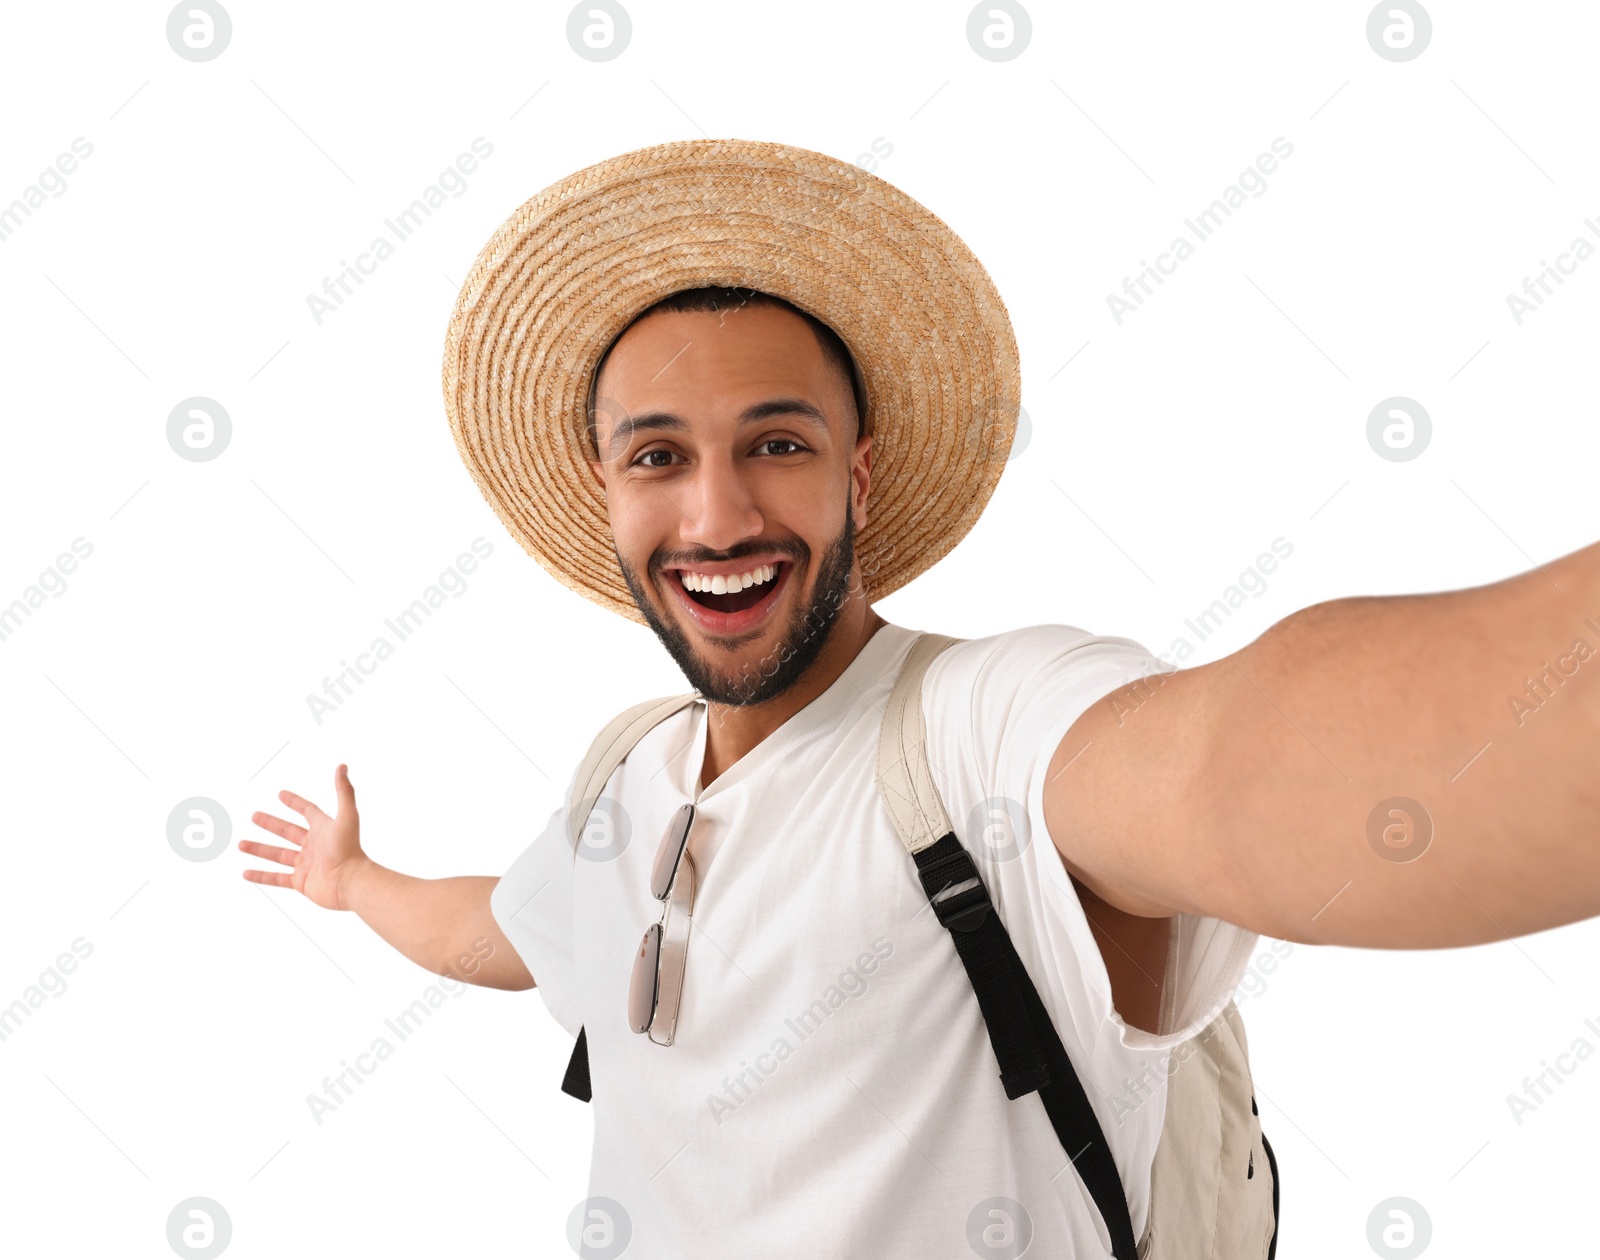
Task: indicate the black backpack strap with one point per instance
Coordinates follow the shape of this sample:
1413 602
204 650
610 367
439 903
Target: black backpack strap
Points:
576 1081
1025 1042
981 940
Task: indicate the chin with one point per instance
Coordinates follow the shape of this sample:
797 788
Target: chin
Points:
791 626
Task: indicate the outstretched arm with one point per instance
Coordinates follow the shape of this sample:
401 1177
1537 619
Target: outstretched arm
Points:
1400 772
445 925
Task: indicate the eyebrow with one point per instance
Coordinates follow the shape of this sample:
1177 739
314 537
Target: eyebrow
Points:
799 408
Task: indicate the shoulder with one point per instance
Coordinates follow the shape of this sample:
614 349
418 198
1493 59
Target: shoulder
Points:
998 713
1025 658
998 707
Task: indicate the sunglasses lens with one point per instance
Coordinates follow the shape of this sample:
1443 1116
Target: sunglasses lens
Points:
671 852
642 988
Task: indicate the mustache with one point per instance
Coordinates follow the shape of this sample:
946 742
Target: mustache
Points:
662 563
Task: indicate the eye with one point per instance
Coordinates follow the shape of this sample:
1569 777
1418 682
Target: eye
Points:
640 462
782 442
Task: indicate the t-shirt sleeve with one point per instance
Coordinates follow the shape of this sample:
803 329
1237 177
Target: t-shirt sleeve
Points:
532 903
995 710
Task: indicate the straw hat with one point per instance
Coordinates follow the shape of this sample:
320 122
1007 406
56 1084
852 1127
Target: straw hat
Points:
575 263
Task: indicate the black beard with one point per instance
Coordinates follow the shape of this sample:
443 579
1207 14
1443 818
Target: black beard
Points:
804 640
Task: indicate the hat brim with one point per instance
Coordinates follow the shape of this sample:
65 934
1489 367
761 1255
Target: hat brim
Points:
573 265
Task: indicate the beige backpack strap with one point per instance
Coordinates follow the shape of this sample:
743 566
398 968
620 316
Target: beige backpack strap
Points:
904 780
609 750
1027 1047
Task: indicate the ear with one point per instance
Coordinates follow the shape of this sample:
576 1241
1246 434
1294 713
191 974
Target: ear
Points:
861 479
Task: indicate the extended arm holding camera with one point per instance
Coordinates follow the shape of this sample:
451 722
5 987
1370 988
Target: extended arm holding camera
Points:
1401 772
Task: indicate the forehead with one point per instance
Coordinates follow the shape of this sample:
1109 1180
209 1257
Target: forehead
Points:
668 348
719 370
706 361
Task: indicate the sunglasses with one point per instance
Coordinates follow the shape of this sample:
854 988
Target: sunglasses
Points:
657 981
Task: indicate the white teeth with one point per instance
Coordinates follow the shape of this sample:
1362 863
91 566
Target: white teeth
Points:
721 584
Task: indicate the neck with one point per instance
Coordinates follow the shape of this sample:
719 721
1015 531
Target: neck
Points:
733 730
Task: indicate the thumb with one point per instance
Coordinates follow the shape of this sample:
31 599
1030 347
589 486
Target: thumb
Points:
347 793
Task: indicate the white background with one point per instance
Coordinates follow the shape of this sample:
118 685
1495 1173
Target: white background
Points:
1163 458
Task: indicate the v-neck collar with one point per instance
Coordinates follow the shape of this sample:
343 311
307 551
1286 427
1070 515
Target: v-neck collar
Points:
821 711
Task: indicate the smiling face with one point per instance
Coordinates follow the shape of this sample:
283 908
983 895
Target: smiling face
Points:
735 484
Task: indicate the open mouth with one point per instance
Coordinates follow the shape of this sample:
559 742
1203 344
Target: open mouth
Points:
729 603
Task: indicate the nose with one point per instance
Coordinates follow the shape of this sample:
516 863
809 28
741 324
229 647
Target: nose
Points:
718 507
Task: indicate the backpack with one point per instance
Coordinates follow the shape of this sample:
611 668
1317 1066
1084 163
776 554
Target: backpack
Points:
1210 1196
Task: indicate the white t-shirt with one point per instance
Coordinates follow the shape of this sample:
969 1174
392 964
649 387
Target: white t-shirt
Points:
831 1089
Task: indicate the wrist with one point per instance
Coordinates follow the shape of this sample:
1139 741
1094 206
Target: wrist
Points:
354 879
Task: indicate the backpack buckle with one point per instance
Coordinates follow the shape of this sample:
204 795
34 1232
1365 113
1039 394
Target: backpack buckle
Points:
955 891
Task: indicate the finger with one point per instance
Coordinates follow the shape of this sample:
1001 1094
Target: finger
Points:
291 832
341 784
300 805
276 879
270 852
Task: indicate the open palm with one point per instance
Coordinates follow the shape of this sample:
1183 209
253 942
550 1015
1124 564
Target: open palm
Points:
326 849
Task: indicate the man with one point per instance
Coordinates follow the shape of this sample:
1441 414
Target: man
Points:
829 1085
